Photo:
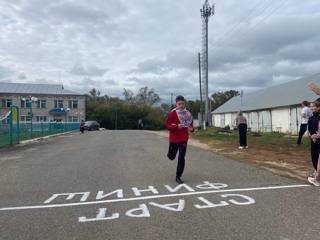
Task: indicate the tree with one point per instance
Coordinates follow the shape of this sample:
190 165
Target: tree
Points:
94 93
165 108
128 96
113 112
194 107
220 98
147 96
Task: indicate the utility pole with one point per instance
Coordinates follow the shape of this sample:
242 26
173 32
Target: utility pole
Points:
116 121
202 122
241 96
206 12
171 100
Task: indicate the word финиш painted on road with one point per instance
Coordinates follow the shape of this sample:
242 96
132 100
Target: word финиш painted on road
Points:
142 211
226 197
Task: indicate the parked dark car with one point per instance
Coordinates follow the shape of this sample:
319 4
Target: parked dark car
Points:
91 125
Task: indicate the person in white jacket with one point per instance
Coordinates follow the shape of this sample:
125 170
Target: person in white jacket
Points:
305 115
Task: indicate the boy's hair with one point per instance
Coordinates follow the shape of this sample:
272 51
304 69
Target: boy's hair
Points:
180 98
305 103
316 103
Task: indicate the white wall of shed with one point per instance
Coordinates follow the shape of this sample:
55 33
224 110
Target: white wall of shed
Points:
281 120
285 120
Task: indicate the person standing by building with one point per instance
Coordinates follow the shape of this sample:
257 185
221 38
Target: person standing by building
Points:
241 123
179 122
140 124
305 115
314 133
82 126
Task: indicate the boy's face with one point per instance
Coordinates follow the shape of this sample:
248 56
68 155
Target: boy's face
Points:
180 105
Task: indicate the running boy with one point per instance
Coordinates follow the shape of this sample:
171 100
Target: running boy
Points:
179 122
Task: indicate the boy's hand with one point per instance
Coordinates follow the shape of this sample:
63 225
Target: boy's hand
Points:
191 129
180 126
313 87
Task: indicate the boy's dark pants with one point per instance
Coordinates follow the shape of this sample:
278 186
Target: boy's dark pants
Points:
243 134
303 129
173 149
315 153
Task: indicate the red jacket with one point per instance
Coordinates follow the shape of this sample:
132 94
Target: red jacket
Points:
176 135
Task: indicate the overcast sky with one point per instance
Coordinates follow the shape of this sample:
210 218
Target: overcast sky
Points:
116 44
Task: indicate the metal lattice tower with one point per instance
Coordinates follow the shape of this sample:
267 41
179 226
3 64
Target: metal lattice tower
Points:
206 12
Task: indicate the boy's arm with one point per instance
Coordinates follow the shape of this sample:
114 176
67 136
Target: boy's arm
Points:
191 127
314 88
169 123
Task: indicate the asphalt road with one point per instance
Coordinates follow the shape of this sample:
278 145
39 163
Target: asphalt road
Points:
125 189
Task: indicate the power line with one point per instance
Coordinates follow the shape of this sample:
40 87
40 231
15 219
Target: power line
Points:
264 17
282 3
233 28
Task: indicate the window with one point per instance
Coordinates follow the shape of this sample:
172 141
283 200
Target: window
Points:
73 119
28 104
23 104
6 103
23 118
73 104
42 103
41 118
58 103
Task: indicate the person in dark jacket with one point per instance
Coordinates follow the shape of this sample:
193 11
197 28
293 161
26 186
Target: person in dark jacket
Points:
313 129
241 123
179 122
82 126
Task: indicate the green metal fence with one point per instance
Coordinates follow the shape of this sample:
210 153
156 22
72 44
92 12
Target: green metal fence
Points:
12 132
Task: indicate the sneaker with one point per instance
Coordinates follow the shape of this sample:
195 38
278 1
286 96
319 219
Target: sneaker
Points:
241 147
246 147
178 180
314 181
313 174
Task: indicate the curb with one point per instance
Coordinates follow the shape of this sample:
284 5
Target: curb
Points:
26 142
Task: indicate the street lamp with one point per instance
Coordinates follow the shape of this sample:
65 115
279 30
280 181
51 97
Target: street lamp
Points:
66 110
30 100
66 117
78 113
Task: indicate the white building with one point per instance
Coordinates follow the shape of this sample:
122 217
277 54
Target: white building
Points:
54 103
276 108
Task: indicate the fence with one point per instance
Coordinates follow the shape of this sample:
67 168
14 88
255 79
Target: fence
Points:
12 132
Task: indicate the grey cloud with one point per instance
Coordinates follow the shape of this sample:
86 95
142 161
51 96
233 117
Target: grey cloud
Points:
182 83
181 59
22 76
5 72
142 47
157 66
88 70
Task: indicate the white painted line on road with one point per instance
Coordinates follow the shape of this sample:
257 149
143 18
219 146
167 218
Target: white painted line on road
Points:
150 197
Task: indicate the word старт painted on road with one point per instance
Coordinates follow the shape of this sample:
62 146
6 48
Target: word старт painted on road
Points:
226 197
142 211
